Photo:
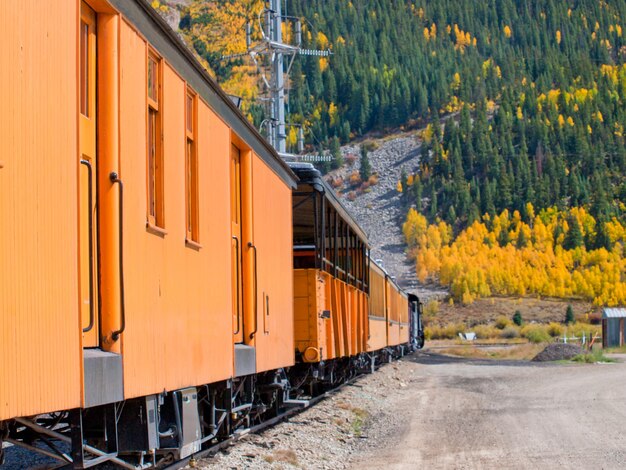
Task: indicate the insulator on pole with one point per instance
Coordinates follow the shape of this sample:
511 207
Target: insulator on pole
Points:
298 33
300 140
268 23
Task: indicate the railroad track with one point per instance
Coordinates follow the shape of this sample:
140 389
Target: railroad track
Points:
211 451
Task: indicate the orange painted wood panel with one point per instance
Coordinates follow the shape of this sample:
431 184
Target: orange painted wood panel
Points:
377 334
394 308
305 308
40 350
310 301
330 323
272 236
178 297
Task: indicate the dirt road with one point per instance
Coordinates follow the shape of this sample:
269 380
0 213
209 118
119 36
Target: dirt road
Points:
467 414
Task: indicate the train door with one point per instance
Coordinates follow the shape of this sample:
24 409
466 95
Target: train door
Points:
237 279
88 217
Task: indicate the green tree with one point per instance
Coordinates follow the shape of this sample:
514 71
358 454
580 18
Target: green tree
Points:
335 151
569 315
517 318
574 236
366 169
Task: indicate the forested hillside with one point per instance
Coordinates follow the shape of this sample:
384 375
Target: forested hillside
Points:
540 88
523 104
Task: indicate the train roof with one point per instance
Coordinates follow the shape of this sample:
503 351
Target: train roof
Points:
308 174
170 46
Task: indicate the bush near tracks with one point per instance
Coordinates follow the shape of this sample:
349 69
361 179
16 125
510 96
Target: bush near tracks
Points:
533 332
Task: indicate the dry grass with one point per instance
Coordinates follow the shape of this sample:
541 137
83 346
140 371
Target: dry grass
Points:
532 309
357 422
283 455
516 352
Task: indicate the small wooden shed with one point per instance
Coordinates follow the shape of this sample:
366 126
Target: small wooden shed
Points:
613 327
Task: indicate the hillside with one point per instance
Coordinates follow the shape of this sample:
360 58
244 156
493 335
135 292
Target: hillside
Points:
548 73
522 107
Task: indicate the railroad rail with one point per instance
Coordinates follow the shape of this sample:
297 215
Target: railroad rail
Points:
212 451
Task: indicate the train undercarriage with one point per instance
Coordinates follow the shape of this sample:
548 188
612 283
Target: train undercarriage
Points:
159 430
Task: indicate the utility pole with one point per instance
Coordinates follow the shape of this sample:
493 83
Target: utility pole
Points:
273 59
279 79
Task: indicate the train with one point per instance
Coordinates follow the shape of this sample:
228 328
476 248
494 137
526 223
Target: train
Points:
167 280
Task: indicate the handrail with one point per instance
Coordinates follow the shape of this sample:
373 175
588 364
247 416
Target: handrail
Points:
256 292
238 294
267 314
114 178
92 315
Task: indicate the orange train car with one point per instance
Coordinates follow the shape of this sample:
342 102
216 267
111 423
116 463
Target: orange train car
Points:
390 313
349 314
166 279
145 241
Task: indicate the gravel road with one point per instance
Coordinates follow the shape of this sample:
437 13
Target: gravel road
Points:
466 414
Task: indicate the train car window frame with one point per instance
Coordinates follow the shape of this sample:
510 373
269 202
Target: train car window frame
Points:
191 168
154 141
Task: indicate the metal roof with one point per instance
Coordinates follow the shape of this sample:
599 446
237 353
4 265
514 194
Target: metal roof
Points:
614 313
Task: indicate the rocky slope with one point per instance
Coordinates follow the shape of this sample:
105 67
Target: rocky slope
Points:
378 209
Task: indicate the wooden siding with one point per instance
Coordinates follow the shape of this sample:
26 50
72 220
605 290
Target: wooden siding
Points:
272 236
178 298
40 351
346 332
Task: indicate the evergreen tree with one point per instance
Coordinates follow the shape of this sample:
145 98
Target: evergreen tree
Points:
366 170
569 315
574 236
335 151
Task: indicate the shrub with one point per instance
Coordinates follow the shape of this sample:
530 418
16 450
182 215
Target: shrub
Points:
433 332
595 318
351 196
536 333
373 180
510 332
452 330
581 318
486 332
431 309
502 322
592 357
555 329
569 315
336 182
355 178
428 332
578 329
371 145
350 159
517 318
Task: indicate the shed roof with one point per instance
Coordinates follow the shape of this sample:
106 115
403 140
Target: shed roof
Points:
614 313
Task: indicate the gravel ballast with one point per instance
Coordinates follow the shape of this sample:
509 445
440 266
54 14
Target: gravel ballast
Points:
331 433
558 352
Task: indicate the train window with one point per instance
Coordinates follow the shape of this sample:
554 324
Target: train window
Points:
191 166
155 151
